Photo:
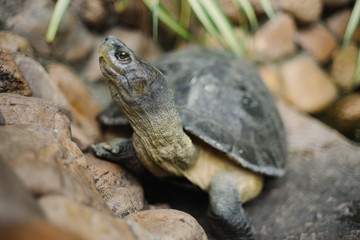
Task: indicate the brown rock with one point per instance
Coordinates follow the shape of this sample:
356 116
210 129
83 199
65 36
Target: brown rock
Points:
271 76
306 85
346 113
337 24
93 12
16 202
15 44
169 224
41 83
73 42
48 163
87 222
34 231
230 10
275 39
121 191
303 10
84 110
17 109
343 67
336 3
318 41
74 90
10 75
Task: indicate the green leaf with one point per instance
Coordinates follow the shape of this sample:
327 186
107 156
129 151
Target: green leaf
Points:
55 20
202 16
266 5
352 24
247 8
223 25
356 75
169 20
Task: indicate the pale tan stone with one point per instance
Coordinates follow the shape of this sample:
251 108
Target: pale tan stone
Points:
275 39
343 66
306 85
303 10
318 41
337 24
84 126
270 74
346 113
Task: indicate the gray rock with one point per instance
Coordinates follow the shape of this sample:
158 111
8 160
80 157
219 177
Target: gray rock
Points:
315 198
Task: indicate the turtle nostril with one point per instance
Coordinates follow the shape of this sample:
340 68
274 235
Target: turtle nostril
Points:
107 38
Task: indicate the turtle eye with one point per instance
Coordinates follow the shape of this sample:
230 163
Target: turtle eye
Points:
122 56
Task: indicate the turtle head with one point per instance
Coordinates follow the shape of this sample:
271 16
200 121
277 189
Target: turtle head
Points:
129 76
135 85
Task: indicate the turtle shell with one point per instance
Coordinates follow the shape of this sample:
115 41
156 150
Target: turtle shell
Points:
222 100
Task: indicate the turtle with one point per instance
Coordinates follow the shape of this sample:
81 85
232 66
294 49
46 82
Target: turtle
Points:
199 113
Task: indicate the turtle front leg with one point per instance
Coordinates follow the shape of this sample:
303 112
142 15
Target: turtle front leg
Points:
227 217
119 150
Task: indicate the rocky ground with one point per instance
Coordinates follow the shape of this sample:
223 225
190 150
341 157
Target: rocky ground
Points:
51 186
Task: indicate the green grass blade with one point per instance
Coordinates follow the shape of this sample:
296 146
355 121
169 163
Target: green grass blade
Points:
352 24
225 28
55 20
247 8
170 21
202 16
266 5
356 75
155 17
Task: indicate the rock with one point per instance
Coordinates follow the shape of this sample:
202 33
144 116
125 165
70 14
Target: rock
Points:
122 192
17 109
346 114
230 10
41 83
11 79
169 224
16 202
8 10
93 12
318 41
305 11
49 163
35 230
336 3
306 85
343 67
74 90
315 197
275 39
73 42
89 223
15 44
84 110
337 24
271 76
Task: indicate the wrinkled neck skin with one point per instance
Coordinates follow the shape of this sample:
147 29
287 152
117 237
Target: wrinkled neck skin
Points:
159 140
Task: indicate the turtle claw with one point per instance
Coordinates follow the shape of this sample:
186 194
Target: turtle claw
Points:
118 150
